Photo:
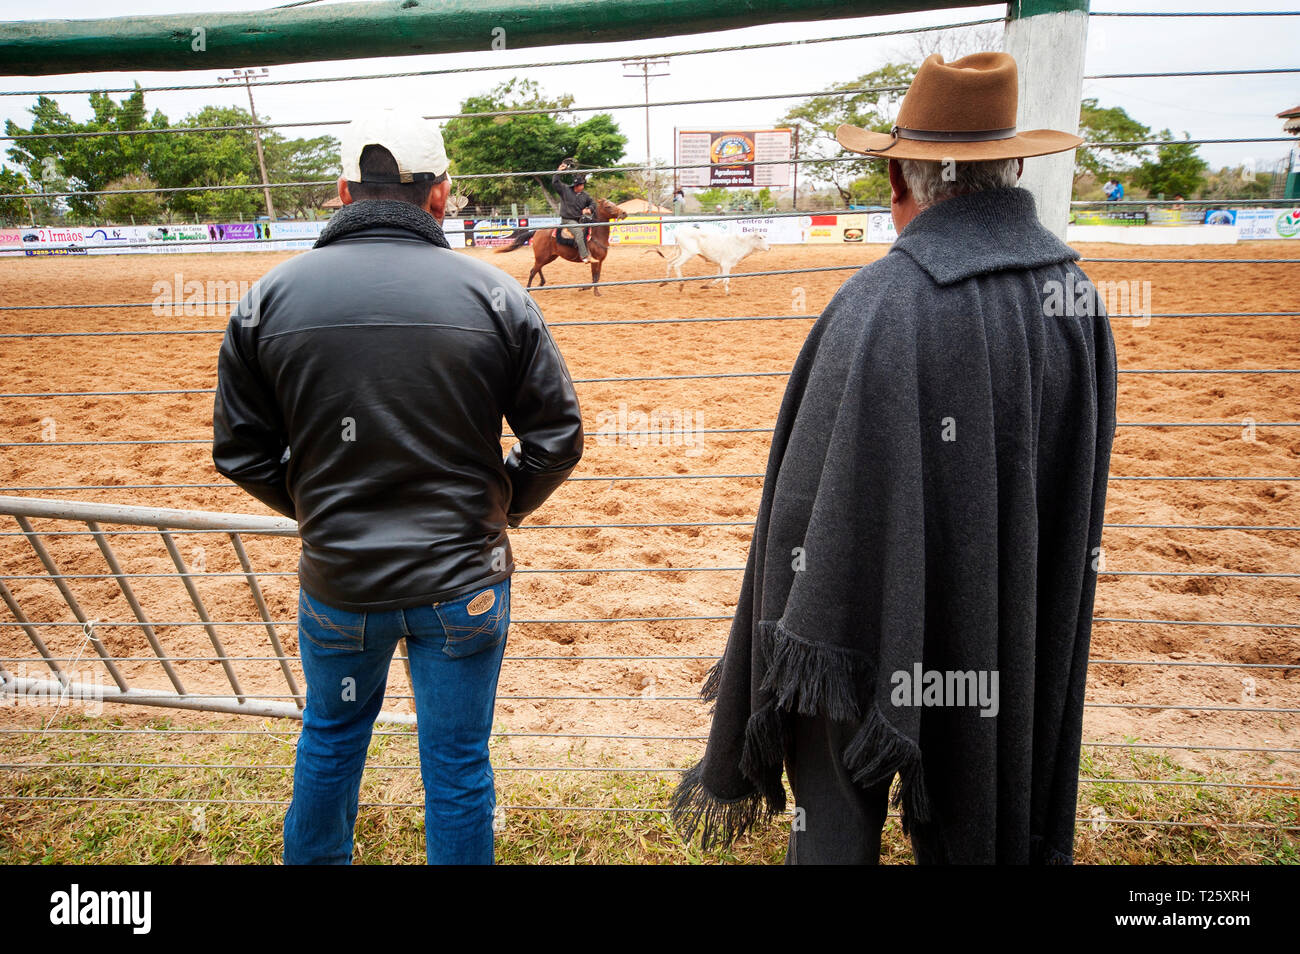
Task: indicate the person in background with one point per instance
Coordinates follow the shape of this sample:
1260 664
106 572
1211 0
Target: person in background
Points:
360 390
679 202
1114 190
575 206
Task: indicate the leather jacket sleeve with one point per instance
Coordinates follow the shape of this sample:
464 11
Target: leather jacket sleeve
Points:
248 442
544 416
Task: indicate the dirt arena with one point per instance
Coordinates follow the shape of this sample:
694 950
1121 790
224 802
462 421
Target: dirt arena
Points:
551 543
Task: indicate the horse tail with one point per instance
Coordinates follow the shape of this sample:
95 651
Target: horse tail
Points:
518 239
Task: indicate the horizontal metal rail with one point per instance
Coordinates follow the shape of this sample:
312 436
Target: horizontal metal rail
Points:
411 735
631 769
631 657
1113 478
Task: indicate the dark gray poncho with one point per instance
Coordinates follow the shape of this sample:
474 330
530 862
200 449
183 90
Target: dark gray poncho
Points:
934 498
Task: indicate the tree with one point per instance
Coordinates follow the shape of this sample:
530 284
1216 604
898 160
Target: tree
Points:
1177 169
302 160
221 158
481 145
137 207
86 163
1111 124
13 211
825 161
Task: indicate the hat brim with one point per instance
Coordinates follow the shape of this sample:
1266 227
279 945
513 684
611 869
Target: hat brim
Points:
1031 142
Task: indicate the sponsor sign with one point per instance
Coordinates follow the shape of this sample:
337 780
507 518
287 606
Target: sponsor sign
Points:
836 229
1174 216
637 230
1268 223
297 234
1110 217
753 158
489 233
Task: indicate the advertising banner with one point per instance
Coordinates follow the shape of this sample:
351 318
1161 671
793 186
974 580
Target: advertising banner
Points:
837 229
1109 217
1173 215
295 235
880 228
637 230
754 158
489 233
180 238
11 242
1268 223
116 239
778 230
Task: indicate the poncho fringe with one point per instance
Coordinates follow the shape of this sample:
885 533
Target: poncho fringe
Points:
809 680
719 821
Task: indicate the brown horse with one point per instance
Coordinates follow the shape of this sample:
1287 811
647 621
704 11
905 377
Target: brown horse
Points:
546 249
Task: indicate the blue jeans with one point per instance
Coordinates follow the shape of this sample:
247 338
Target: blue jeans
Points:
455 649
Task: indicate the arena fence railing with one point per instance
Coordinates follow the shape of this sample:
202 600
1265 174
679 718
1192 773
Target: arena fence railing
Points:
209 679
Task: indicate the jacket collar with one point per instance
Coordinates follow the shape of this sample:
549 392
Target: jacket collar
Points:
382 214
978 233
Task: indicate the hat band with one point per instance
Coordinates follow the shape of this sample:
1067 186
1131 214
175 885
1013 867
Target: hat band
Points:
403 177
931 135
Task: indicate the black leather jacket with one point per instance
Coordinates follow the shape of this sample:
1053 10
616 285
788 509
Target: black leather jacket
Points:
364 397
572 202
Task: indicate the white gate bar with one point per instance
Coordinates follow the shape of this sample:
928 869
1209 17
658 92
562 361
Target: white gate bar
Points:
52 568
32 634
202 610
125 584
161 517
266 615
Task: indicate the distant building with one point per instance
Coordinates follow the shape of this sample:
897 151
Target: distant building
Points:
642 207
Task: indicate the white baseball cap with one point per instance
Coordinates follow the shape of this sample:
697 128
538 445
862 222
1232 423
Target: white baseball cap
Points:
415 142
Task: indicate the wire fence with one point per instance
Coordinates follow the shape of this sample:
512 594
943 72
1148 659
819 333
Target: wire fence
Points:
194 609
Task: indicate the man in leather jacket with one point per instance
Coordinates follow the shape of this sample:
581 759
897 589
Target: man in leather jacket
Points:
361 390
577 208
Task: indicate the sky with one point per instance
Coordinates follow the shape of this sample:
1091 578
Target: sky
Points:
1204 107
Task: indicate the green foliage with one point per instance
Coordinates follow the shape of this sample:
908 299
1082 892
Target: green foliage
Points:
816 120
1110 124
91 162
488 144
13 211
171 160
1177 169
138 208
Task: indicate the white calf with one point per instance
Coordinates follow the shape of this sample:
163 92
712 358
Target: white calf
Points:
725 251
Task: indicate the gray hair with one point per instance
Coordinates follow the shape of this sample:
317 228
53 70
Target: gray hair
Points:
933 182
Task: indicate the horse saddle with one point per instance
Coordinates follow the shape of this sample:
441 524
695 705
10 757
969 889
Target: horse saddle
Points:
564 237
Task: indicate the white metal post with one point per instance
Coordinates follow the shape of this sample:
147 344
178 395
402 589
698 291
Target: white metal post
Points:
1049 39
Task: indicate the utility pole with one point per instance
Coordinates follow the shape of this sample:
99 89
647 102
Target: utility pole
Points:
246 77
642 66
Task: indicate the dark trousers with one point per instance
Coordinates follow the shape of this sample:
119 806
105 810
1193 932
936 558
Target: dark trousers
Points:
836 821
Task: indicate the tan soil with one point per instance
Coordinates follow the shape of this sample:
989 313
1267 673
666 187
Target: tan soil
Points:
127 363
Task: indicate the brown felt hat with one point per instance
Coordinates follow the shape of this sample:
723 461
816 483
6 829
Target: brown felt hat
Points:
964 110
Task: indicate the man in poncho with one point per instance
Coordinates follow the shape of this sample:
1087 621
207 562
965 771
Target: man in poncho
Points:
918 595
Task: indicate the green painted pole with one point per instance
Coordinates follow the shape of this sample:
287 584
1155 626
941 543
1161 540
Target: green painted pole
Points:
340 31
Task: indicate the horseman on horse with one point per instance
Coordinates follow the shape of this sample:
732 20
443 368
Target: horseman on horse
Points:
582 215
575 205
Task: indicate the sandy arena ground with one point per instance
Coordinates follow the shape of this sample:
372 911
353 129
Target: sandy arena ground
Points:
78 364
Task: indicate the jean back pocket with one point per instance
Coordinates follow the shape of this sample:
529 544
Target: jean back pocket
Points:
330 628
476 621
